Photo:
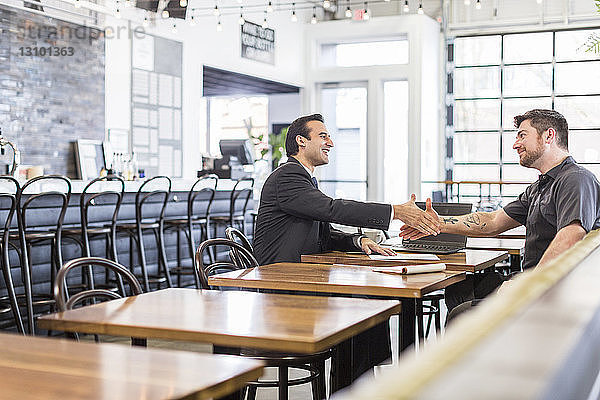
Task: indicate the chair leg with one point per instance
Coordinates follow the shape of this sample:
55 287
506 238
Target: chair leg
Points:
283 383
178 232
419 311
318 385
163 255
438 318
251 392
28 286
142 254
14 305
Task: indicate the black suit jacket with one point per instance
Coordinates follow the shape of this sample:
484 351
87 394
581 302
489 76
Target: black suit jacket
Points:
294 216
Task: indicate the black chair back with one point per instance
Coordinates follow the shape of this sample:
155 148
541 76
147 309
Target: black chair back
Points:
206 193
62 197
235 235
8 201
239 199
110 198
60 285
142 197
204 271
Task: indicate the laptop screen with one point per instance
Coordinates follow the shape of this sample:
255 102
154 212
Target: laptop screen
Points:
447 239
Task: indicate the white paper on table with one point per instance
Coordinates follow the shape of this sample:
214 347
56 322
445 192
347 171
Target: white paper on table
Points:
401 257
411 269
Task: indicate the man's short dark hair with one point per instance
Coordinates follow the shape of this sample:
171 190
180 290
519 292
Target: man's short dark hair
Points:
298 127
542 120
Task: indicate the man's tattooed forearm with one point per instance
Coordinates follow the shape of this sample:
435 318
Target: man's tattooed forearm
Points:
473 219
450 220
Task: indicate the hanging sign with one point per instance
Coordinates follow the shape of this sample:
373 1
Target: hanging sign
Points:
258 43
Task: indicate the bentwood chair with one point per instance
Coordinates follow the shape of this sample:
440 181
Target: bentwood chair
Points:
99 206
238 207
199 201
150 204
48 208
8 206
60 288
314 364
235 235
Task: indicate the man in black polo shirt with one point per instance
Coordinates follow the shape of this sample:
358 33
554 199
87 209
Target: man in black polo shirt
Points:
557 210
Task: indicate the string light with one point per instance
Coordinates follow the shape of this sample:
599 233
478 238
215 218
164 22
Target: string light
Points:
366 15
270 7
219 26
326 4
313 20
265 24
145 23
294 17
192 21
216 11
77 4
420 10
406 7
174 29
478 5
118 13
183 3
348 10
241 21
165 14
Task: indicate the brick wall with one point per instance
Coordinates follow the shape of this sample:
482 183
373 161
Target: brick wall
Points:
47 102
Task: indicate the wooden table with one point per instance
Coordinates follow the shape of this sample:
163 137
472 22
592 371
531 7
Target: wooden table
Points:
42 368
466 260
346 279
288 323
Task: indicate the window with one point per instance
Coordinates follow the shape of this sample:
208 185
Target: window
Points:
237 118
496 77
360 54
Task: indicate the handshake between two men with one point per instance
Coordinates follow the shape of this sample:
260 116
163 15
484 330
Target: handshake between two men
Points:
418 223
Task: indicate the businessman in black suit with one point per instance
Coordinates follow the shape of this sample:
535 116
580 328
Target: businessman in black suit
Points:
294 216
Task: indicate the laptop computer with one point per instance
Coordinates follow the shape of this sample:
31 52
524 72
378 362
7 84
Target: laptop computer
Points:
444 243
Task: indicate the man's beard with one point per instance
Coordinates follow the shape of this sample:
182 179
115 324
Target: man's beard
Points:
531 157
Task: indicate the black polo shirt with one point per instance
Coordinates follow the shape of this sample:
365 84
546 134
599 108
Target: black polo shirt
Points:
565 194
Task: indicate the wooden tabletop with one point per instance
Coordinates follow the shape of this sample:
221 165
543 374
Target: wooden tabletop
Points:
340 279
466 260
513 246
300 324
42 368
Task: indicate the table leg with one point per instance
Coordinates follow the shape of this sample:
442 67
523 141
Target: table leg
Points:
341 366
515 263
407 325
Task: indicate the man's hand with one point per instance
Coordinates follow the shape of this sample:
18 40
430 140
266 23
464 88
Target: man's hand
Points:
424 222
369 246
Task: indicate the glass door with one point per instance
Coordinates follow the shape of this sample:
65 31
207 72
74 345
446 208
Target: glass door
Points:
344 107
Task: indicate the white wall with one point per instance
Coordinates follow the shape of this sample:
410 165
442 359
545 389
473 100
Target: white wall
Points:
422 73
202 45
284 108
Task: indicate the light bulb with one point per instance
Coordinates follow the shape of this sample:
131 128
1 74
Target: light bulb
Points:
241 21
348 13
406 7
478 5
146 22
118 14
183 3
366 15
77 4
216 11
294 17
165 14
326 4
192 21
174 29
313 20
219 26
270 7
420 10
265 24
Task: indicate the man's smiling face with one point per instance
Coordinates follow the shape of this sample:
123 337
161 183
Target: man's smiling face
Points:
529 144
317 148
